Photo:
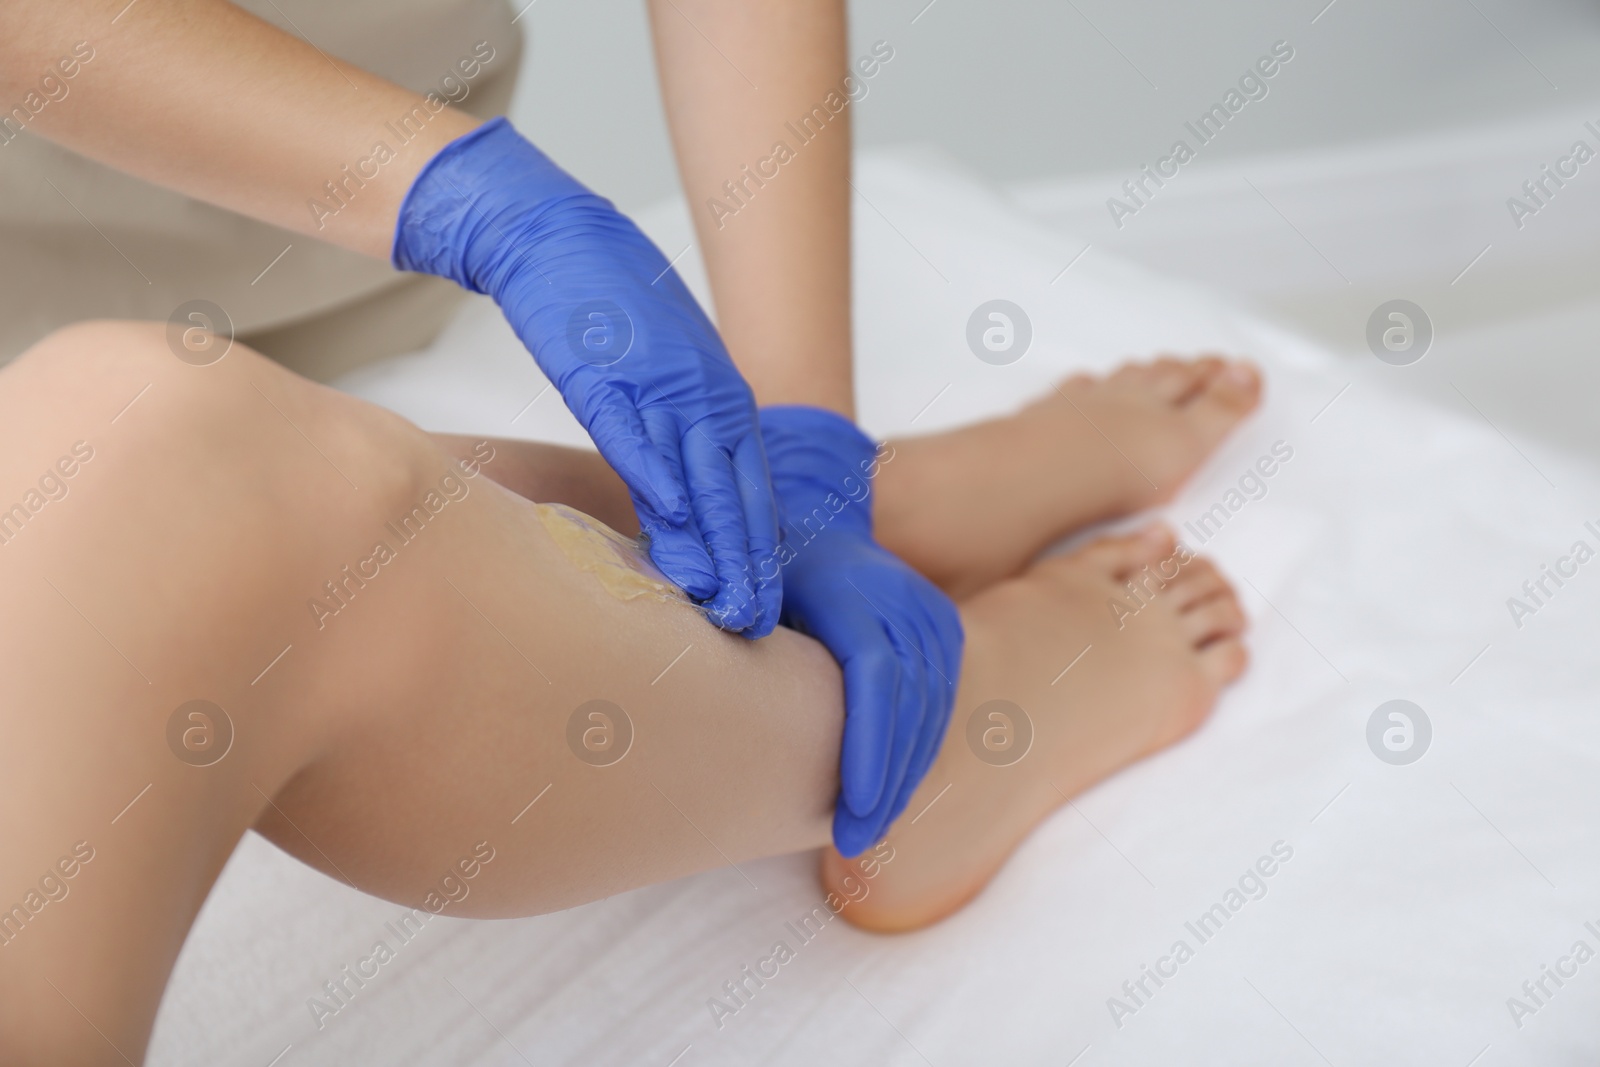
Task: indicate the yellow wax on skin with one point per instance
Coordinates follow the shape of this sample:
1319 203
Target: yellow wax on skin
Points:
594 547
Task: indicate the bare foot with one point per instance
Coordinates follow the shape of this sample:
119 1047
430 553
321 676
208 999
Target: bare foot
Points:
977 504
1149 673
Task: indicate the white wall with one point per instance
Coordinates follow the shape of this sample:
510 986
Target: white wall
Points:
1022 89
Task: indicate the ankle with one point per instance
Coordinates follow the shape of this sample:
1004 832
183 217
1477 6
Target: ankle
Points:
1086 465
901 517
965 819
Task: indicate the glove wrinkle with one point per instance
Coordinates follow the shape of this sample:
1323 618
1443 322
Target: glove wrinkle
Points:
897 638
620 336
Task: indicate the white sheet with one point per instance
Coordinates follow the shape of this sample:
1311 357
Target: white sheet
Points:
1418 898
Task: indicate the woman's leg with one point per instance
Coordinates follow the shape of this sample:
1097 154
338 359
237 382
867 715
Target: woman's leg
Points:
404 663
576 477
973 505
1158 630
404 659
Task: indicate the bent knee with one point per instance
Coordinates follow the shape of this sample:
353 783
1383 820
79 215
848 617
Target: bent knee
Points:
93 374
92 351
233 441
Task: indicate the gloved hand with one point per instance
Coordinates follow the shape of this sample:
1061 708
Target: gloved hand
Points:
897 638
619 335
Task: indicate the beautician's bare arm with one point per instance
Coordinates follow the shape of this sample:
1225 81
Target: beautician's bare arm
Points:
732 74
204 98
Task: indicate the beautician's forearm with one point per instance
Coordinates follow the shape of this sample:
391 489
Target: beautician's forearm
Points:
204 98
780 264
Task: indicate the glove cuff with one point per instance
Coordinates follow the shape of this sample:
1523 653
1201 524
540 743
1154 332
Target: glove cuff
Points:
454 200
822 467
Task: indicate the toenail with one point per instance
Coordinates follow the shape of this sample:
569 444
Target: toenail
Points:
1242 373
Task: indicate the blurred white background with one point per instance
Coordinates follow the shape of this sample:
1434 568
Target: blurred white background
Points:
1378 166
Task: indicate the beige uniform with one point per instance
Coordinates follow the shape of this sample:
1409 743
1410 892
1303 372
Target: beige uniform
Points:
80 240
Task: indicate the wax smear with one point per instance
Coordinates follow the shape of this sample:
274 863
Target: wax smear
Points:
623 569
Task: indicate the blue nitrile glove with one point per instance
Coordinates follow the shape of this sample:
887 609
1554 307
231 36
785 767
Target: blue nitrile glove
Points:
614 328
896 637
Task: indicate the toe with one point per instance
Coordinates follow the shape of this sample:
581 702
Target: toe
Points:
1198 580
1112 558
1227 395
1223 661
1212 620
1117 556
1176 380
1073 386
